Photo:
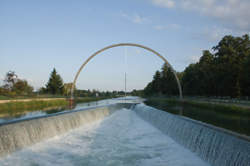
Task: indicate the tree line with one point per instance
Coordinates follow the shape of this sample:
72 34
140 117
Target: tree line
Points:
14 86
223 72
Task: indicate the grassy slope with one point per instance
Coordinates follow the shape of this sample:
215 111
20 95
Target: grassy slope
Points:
17 107
220 107
30 97
229 116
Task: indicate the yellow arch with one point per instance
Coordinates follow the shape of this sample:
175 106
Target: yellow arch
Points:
125 44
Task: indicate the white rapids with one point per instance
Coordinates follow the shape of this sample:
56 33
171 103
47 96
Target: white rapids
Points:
123 138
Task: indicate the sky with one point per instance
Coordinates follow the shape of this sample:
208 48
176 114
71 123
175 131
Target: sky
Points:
39 35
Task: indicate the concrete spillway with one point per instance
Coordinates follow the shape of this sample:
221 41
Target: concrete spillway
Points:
116 135
217 146
19 134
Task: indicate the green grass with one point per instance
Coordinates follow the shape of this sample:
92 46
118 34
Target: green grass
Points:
19 107
228 116
12 108
217 107
227 108
2 97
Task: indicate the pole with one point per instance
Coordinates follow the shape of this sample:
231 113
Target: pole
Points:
125 84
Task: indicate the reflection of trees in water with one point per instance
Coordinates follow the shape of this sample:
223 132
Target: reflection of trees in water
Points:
233 121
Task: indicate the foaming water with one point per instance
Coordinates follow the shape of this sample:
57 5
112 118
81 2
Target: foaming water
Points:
217 146
120 139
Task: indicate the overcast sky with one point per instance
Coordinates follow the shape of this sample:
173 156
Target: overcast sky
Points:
36 36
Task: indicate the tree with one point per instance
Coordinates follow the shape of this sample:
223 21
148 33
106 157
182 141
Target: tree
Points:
55 83
245 78
230 56
42 90
15 86
137 92
190 80
156 83
168 81
164 82
21 87
10 79
205 75
223 73
148 90
3 91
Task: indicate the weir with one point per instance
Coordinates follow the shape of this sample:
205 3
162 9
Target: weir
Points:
19 134
216 146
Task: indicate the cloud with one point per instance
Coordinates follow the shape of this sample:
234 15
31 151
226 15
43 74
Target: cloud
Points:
216 33
139 19
160 27
136 18
193 56
167 27
164 3
234 13
230 11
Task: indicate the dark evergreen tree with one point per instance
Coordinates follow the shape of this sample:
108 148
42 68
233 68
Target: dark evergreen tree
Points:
148 90
245 78
55 83
156 83
168 81
205 75
190 80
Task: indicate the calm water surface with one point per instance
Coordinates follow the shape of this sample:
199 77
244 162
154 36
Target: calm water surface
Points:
236 122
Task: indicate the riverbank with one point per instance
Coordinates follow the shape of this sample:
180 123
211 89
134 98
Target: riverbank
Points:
15 107
216 106
229 116
43 96
30 99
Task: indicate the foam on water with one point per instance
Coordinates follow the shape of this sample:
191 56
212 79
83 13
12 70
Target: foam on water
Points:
217 146
120 139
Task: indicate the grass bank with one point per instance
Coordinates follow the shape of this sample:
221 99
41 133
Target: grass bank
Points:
20 106
2 97
16 107
229 116
217 107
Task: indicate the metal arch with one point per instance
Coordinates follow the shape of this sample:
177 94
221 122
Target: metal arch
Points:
126 44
